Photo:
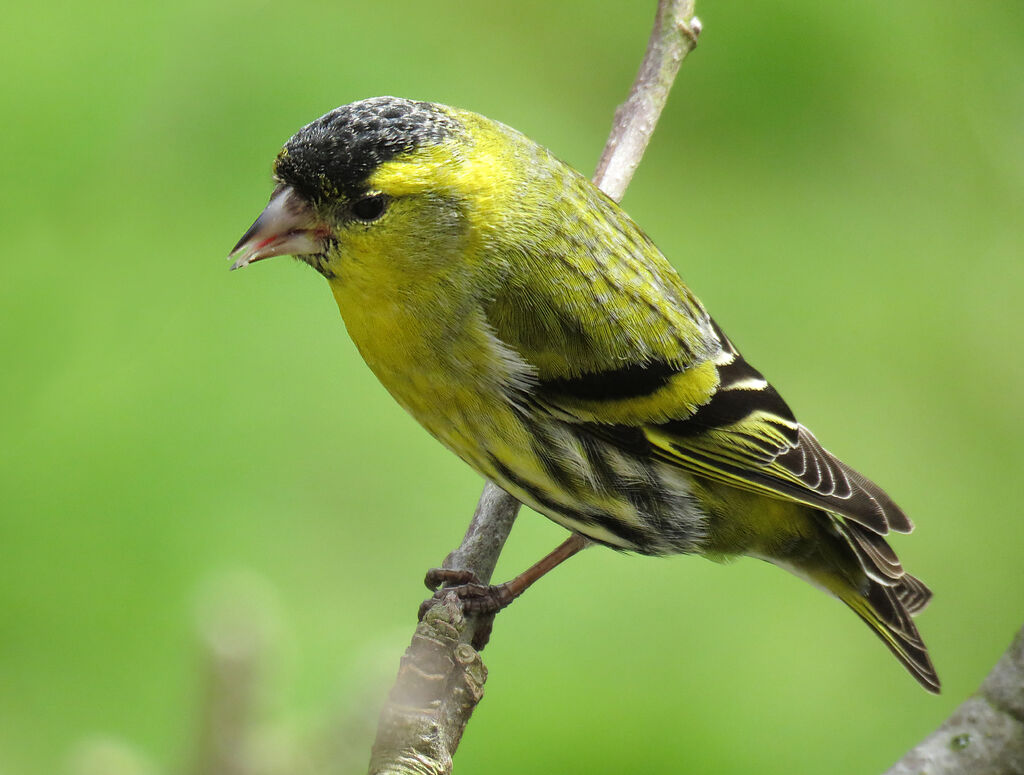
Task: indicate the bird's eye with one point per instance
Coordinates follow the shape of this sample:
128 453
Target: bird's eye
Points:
370 208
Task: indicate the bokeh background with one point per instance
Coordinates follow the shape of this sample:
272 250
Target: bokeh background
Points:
189 455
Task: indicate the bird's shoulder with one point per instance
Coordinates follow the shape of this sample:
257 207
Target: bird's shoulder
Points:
584 291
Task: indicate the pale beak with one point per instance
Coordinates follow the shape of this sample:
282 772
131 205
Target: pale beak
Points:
285 227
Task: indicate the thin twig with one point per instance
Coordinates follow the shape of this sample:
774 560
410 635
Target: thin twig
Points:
486 535
441 678
439 683
673 37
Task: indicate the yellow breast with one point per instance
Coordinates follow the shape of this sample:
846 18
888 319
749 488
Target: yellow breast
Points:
447 370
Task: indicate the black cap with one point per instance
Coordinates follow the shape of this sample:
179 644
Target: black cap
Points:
334 155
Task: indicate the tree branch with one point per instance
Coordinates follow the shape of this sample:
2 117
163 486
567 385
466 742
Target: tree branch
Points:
985 735
673 37
441 677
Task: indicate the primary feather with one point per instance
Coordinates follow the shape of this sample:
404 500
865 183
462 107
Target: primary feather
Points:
535 330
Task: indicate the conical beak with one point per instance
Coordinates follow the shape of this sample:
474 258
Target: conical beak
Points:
285 227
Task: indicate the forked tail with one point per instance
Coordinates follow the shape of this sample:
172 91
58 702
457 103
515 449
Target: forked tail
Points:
888 610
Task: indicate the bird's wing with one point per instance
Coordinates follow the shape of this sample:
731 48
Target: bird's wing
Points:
621 346
653 374
746 436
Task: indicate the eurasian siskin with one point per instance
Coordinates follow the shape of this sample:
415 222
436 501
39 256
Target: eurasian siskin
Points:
530 326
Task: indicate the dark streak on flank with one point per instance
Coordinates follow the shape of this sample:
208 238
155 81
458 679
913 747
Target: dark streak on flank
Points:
535 494
636 540
627 438
643 496
606 478
634 537
545 451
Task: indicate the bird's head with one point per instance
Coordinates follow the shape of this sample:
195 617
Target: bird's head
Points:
385 180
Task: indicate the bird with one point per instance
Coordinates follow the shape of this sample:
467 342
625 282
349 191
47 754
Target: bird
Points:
528 324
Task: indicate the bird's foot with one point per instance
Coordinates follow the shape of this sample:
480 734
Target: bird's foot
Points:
476 598
482 601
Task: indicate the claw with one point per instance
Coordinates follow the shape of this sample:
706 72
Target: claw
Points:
437 576
481 601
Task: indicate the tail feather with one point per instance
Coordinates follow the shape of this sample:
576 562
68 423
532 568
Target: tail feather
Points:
883 611
876 557
861 569
887 607
891 598
913 594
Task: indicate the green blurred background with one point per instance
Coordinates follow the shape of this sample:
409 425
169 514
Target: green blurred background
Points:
843 184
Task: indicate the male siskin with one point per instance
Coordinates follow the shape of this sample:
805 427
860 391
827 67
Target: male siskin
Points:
532 328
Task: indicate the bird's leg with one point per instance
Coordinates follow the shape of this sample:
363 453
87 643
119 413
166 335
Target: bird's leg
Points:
483 599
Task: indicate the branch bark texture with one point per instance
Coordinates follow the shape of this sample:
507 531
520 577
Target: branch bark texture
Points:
441 677
440 681
985 735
